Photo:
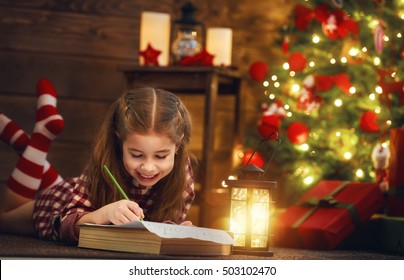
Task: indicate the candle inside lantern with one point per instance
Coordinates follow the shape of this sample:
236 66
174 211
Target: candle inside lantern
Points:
219 43
155 30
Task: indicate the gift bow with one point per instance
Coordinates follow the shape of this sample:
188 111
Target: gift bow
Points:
315 203
326 201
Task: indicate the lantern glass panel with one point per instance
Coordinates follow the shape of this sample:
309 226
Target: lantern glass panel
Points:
259 218
261 195
238 215
239 194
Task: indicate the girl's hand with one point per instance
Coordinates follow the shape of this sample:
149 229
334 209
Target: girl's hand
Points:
186 223
122 212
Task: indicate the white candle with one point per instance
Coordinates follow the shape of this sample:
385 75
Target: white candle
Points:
219 43
155 30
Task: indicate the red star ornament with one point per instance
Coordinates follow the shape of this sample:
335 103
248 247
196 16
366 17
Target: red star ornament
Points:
189 60
202 58
150 55
206 59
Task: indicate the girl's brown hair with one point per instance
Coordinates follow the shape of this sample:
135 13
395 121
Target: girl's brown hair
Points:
140 111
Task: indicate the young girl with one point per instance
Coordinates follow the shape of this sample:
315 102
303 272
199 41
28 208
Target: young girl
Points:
143 141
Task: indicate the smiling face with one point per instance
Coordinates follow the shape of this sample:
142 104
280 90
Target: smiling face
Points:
148 157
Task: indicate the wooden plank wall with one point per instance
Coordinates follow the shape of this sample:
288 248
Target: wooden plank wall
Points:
79 44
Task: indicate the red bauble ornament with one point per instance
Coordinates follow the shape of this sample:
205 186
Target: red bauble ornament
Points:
297 62
368 122
256 159
269 124
150 55
258 71
298 133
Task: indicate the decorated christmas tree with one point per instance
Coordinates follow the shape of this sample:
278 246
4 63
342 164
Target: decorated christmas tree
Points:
333 97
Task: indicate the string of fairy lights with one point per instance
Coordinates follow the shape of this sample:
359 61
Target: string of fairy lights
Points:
283 81
273 87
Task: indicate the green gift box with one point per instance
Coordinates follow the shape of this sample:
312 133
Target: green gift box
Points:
392 234
381 233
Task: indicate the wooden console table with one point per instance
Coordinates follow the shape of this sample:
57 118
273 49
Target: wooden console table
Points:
209 81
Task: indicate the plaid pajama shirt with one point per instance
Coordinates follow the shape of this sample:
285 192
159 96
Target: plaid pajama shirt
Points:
58 208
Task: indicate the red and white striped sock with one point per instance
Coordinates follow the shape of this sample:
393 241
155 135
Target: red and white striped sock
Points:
13 135
26 178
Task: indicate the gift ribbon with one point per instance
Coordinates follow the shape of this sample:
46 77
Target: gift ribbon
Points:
325 202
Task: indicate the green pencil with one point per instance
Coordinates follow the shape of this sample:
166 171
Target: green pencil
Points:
117 185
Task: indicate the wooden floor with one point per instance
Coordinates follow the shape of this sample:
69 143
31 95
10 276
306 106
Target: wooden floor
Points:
23 247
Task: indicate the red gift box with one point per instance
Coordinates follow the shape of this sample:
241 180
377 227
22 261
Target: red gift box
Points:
327 214
395 197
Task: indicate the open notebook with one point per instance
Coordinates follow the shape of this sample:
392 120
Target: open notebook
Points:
156 238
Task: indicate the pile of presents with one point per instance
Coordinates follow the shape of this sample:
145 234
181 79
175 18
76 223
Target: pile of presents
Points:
350 215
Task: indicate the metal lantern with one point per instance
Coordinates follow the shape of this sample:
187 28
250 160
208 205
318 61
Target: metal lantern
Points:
190 34
251 206
250 209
